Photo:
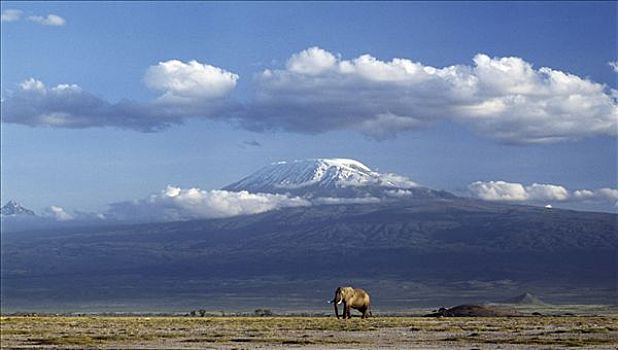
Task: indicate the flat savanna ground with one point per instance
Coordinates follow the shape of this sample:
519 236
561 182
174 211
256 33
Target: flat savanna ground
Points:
590 332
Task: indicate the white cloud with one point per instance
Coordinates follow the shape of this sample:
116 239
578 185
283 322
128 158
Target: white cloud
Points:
504 98
180 81
614 65
10 15
32 85
516 192
49 20
539 192
394 180
609 194
175 203
58 213
311 61
498 191
189 90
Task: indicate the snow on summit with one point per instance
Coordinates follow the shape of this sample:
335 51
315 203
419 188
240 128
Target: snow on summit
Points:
336 177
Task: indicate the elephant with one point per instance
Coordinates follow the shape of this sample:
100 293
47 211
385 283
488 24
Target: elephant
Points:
355 298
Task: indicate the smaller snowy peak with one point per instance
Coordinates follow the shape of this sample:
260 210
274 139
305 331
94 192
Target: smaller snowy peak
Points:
12 208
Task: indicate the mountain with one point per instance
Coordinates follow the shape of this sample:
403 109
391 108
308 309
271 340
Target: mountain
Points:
12 208
423 248
524 299
338 178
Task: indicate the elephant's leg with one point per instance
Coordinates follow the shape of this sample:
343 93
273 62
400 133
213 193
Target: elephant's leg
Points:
336 310
347 310
363 310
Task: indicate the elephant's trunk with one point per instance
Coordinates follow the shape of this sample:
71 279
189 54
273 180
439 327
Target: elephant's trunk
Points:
336 310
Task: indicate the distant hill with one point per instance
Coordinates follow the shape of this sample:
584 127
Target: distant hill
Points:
524 299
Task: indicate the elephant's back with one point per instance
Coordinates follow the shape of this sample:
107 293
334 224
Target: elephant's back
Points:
362 297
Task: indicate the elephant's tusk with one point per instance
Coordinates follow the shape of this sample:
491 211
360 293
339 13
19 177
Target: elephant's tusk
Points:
340 301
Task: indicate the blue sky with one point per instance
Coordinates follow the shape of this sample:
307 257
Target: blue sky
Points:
107 48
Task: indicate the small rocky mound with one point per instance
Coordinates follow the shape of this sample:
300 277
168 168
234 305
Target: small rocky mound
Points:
524 299
474 311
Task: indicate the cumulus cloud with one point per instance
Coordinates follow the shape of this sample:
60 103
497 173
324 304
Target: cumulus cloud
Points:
312 61
10 15
49 20
175 203
547 192
614 65
609 194
498 191
517 192
188 82
187 90
504 98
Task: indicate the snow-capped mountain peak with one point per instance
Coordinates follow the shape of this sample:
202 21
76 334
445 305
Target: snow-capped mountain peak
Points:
12 208
324 173
335 177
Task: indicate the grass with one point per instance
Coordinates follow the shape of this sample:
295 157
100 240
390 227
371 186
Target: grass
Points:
251 332
64 340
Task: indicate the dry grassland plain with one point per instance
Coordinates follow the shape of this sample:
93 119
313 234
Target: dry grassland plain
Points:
543 332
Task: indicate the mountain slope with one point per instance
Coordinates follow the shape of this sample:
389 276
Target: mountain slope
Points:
457 246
